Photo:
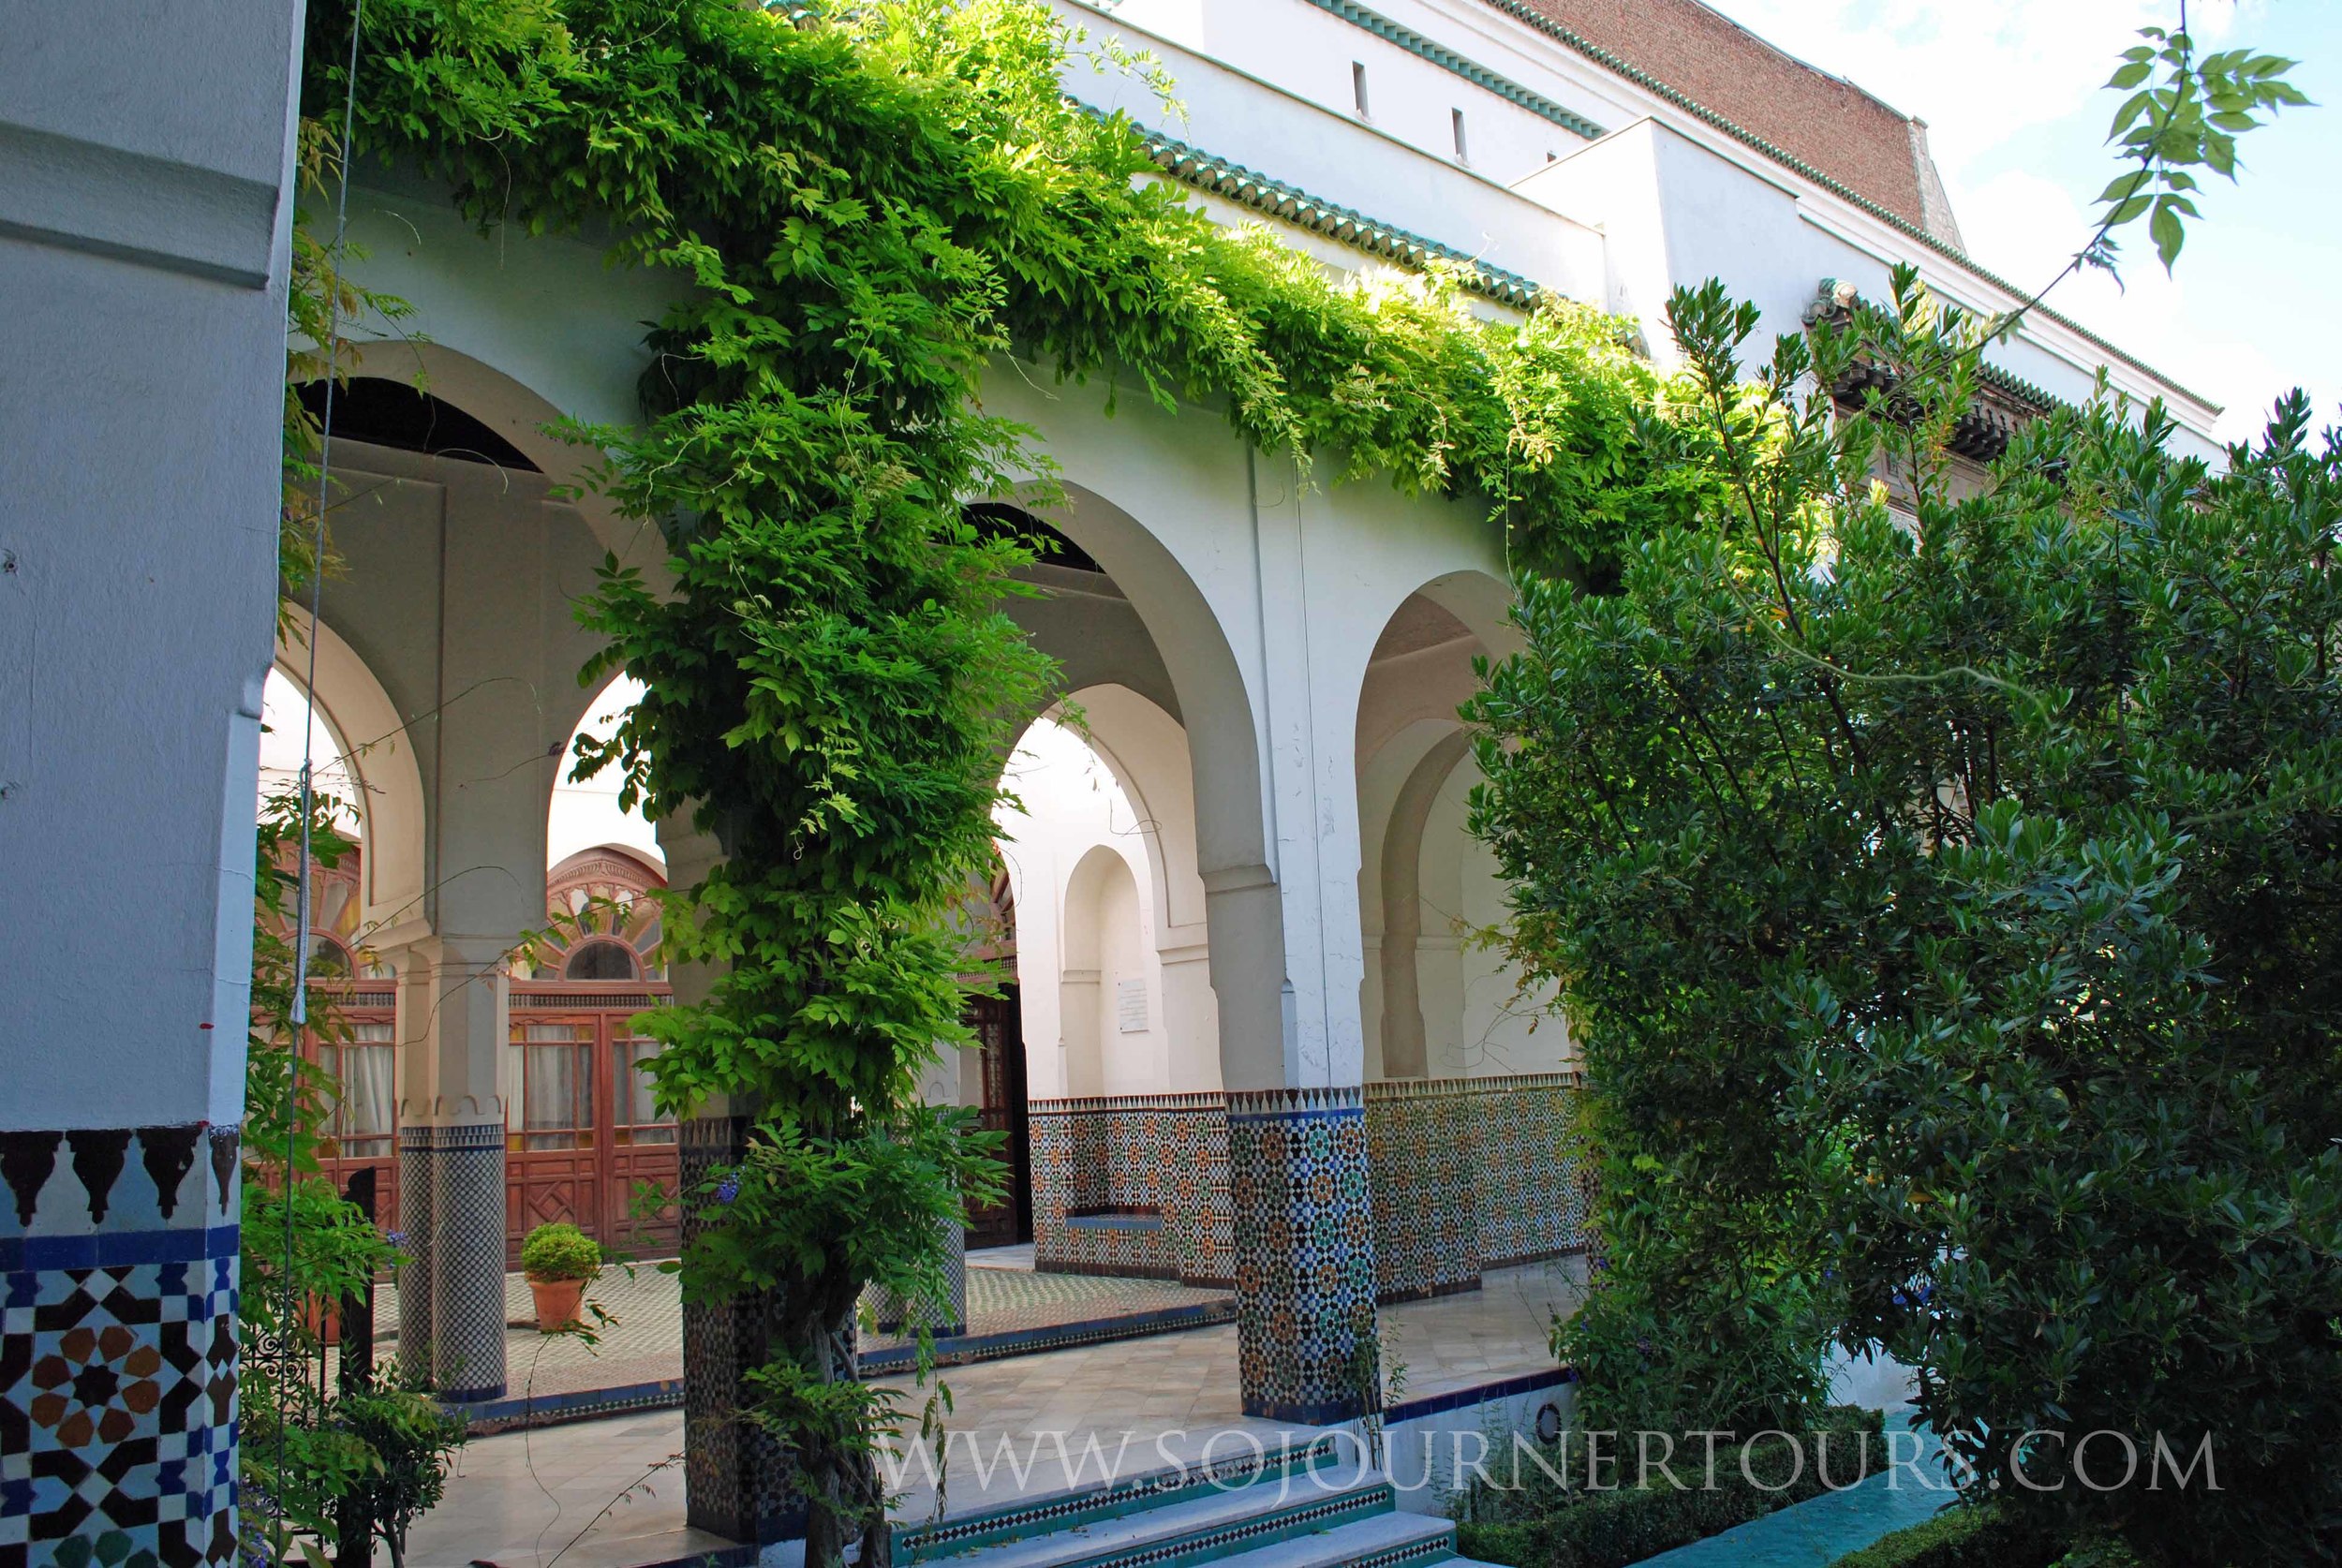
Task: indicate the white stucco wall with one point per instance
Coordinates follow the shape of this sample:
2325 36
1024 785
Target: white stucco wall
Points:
1661 199
143 229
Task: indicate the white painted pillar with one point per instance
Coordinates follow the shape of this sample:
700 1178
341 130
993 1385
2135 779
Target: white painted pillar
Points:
143 234
452 1034
1299 1195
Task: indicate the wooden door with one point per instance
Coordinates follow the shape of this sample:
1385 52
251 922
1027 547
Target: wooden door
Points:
583 1139
641 1169
1001 1052
554 1128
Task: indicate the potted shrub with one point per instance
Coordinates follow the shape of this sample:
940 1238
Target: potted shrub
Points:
559 1259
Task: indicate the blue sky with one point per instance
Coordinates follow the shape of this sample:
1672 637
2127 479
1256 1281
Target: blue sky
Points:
2017 121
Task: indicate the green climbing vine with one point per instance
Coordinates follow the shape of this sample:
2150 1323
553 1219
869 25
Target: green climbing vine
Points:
864 208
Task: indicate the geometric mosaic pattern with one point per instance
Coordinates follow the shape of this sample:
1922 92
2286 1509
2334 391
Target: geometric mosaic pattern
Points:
1467 1173
417 1142
736 1483
118 1404
943 1317
1422 1147
1132 1185
1527 1175
1304 1231
118 1281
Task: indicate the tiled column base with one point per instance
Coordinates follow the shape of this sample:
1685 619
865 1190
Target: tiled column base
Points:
417 1143
118 1269
735 1483
467 1260
1304 1233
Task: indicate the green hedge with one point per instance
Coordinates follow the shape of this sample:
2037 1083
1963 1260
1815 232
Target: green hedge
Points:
1612 1528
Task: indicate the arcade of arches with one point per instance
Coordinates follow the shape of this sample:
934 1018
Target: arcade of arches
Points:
1231 918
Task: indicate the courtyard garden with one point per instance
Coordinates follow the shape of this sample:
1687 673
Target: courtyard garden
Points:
1930 822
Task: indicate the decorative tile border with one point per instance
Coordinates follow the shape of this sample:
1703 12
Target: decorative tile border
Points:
1466 1173
118 1350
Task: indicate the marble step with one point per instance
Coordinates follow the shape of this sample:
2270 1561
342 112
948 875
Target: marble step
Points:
1200 1527
1381 1540
1080 1507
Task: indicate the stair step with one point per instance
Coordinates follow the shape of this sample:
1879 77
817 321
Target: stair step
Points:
1055 1513
1383 1540
1215 1524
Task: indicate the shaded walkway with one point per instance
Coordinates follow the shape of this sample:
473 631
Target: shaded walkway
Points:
634 1358
521 1498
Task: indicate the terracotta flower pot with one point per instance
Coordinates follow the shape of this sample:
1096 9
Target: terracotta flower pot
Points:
557 1303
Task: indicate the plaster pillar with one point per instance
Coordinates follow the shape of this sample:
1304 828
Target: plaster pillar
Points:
143 238
453 1027
1287 964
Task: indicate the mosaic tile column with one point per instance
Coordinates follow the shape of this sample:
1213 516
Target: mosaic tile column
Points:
118 1355
735 1481
417 1144
1303 1217
467 1260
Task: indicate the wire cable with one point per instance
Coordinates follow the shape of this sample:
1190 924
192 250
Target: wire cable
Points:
308 729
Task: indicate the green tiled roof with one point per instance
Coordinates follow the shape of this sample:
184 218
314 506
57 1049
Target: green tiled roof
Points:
1447 59
2007 382
1594 51
1219 177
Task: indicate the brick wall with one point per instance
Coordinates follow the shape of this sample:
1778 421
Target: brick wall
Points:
1826 121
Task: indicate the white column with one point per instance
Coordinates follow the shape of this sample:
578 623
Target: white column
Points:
1300 1203
142 262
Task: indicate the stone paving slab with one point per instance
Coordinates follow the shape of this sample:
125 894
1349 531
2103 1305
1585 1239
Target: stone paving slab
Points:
638 1347
520 1498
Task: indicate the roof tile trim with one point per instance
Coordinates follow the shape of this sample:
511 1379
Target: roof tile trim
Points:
1601 56
1448 60
1216 176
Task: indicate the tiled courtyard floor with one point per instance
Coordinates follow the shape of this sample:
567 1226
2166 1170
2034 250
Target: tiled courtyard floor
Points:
641 1343
607 1493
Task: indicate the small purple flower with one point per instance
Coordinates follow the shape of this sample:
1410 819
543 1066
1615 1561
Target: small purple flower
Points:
728 1188
397 1239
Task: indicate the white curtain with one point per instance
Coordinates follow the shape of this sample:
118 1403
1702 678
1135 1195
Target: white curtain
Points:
369 1091
559 1088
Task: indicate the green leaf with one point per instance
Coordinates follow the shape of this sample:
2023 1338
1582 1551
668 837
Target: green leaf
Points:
2164 227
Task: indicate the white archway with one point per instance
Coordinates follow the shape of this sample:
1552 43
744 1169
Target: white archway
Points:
1434 1004
380 757
1106 1012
